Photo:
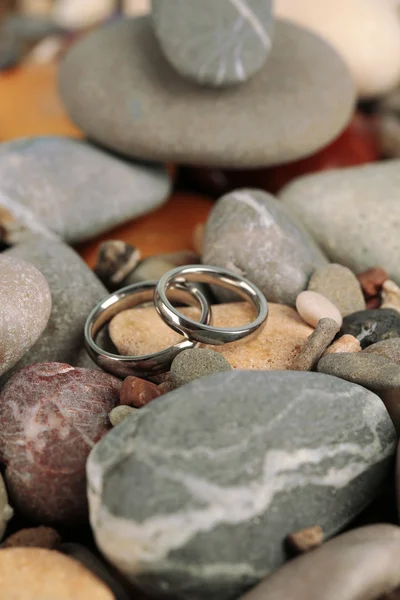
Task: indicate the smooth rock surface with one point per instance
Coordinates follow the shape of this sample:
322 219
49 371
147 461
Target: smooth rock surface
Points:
74 290
357 565
340 286
312 307
25 306
75 189
119 413
215 42
195 363
253 235
228 465
349 28
144 108
51 416
369 370
33 573
389 349
352 213
371 326
278 342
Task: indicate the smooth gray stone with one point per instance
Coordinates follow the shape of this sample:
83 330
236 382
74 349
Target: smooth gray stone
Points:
194 494
372 371
118 87
74 290
25 306
389 349
358 565
371 326
75 189
214 42
353 213
340 286
252 234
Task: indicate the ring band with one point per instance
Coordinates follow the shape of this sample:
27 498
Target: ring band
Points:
215 276
128 297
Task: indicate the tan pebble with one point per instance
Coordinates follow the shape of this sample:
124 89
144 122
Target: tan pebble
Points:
312 307
34 537
390 295
316 344
346 343
198 238
119 413
36 573
306 539
138 392
273 347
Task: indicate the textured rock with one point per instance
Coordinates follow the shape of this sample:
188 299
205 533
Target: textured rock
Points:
314 347
75 189
35 537
312 307
51 415
6 512
389 349
74 290
216 42
346 343
349 29
138 392
371 326
340 286
359 564
275 346
352 213
25 306
33 573
250 233
372 371
228 465
292 115
195 363
119 413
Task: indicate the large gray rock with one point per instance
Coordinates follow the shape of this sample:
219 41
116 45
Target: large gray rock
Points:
353 213
215 42
25 306
252 234
74 289
359 565
143 107
194 494
75 189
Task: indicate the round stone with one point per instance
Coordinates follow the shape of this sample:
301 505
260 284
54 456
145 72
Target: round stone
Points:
119 413
214 42
195 363
340 286
312 307
120 89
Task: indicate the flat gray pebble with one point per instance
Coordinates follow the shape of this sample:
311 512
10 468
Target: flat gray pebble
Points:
340 286
369 370
197 362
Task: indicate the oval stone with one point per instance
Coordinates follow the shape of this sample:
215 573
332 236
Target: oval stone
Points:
25 306
252 234
228 465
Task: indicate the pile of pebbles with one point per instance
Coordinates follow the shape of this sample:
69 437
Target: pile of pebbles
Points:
233 475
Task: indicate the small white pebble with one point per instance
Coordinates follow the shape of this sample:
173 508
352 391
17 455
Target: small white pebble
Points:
119 413
312 307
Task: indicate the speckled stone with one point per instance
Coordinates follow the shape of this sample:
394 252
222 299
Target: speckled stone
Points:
371 326
346 343
312 307
314 347
359 564
51 415
195 363
353 214
33 573
389 349
145 108
275 346
25 306
252 234
74 290
340 286
228 465
34 537
216 42
75 189
119 413
372 371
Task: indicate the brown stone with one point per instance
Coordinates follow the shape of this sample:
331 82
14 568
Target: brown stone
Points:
371 281
166 387
274 346
35 537
393 595
346 343
138 392
305 539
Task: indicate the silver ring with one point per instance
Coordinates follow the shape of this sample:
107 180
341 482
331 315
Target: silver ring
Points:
128 297
215 276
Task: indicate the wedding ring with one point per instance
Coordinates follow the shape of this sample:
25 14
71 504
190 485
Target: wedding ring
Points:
128 297
203 332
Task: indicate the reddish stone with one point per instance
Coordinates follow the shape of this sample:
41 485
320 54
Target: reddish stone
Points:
51 415
371 282
35 537
138 392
